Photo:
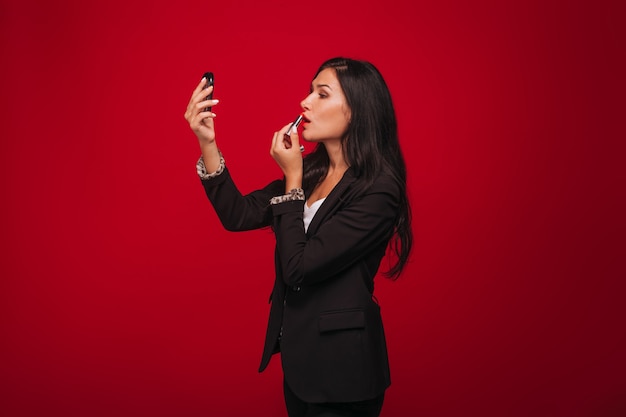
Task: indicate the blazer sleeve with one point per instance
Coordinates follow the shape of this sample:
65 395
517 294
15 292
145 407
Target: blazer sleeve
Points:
352 233
239 212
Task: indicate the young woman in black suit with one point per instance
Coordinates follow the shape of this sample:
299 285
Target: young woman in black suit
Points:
335 213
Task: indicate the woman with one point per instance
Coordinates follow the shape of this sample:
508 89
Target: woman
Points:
334 215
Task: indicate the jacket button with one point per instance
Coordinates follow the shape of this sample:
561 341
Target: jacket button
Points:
296 288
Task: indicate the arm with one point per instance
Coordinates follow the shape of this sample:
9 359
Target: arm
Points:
236 212
201 123
353 232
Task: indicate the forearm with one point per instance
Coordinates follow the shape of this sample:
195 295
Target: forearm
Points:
211 156
293 181
239 212
362 228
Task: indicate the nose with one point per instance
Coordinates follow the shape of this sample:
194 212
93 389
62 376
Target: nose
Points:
305 104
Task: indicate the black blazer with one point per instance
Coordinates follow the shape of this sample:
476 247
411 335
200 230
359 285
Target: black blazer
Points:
323 317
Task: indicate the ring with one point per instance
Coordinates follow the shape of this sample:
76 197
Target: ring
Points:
301 148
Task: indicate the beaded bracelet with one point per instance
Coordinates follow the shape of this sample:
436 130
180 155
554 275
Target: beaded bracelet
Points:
201 169
293 195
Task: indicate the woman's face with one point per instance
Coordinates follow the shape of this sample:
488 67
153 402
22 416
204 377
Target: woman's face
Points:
326 112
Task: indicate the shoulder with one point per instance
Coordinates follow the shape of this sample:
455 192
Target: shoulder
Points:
383 182
382 187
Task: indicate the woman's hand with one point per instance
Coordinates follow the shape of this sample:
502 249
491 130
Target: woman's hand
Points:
199 118
286 152
201 122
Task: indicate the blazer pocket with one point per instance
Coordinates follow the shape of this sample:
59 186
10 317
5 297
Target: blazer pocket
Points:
342 320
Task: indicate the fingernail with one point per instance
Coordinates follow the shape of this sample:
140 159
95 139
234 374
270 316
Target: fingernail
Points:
215 101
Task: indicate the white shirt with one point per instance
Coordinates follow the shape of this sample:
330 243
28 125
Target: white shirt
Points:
309 212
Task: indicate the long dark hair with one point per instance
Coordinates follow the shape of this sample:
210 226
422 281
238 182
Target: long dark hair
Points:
370 146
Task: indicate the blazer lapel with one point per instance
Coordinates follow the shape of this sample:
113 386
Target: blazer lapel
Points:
331 204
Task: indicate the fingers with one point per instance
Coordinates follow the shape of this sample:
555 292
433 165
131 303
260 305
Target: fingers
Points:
200 89
283 137
278 144
200 93
198 102
199 116
285 144
199 113
203 105
294 138
290 137
286 155
285 129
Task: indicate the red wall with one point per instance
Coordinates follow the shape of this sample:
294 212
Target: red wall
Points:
121 295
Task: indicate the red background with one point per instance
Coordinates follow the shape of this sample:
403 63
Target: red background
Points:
121 295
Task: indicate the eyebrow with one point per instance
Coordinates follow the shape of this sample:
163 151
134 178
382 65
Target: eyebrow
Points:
324 85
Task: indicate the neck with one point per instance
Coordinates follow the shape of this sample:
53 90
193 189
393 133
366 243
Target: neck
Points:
337 162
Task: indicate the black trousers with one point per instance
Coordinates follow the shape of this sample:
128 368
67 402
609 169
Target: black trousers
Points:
298 408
